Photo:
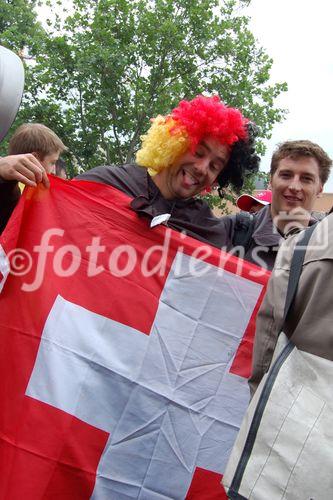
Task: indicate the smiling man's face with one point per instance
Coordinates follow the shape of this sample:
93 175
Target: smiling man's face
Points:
295 183
193 172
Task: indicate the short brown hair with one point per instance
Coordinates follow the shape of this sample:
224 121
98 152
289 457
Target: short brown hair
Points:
35 138
298 149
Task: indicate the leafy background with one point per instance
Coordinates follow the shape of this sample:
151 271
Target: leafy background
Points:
96 73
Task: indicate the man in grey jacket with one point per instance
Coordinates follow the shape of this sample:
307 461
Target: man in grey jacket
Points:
299 170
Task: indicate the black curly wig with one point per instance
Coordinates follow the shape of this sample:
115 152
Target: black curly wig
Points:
243 162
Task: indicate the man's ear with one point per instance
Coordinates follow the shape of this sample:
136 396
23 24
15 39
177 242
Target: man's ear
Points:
270 184
320 191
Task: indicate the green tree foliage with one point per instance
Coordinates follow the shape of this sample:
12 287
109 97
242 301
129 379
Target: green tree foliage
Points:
24 35
108 66
18 26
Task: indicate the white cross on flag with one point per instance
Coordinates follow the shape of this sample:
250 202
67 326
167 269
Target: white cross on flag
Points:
124 352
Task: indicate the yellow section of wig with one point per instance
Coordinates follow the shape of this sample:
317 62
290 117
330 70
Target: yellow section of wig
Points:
163 144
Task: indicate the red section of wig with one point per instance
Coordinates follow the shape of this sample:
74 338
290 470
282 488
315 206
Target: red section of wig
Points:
209 116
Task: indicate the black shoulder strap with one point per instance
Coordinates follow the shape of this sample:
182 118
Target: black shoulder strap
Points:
296 269
244 226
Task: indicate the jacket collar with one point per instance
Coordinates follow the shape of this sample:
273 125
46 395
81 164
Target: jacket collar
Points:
265 233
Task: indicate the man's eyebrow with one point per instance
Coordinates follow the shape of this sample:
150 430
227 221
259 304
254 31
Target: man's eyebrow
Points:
286 170
222 160
309 174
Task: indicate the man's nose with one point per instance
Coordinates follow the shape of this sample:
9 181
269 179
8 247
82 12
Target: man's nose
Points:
202 165
295 184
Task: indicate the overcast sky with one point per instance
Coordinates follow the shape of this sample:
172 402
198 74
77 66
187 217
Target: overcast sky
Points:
297 34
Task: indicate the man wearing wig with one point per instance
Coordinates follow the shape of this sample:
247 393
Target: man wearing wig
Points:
201 143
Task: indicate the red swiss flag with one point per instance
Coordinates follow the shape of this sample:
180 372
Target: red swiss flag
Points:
45 451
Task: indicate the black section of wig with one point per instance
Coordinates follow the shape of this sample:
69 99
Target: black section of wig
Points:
243 162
